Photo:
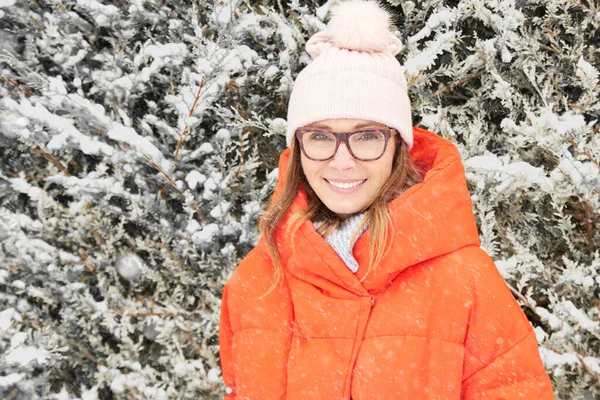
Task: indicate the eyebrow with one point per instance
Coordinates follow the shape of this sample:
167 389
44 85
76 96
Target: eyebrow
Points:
357 126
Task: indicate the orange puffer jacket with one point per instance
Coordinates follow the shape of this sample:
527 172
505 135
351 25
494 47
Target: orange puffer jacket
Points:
434 320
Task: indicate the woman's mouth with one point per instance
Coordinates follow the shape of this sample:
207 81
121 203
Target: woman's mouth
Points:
346 184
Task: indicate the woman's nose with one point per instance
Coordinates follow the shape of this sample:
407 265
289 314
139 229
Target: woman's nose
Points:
342 159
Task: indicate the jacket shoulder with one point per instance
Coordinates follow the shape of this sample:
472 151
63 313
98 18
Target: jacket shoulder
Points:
254 274
250 304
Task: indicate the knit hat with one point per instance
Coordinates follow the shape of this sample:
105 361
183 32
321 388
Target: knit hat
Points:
354 73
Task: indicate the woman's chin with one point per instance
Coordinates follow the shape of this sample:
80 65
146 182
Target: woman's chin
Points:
343 210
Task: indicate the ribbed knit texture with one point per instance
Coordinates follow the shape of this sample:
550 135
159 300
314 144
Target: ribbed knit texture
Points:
341 239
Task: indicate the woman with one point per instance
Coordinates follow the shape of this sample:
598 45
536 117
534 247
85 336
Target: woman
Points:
368 281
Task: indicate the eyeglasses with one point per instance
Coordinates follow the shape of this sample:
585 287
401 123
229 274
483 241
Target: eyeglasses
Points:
363 145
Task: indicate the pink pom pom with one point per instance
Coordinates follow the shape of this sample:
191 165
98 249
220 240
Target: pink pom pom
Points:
363 26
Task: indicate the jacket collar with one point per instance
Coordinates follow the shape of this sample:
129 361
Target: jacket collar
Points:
430 219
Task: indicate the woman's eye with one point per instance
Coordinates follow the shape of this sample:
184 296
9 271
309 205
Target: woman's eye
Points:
370 135
319 136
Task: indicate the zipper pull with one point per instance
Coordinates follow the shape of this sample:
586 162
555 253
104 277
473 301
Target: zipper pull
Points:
372 300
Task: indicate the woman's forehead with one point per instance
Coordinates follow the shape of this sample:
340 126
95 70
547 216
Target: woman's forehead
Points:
343 124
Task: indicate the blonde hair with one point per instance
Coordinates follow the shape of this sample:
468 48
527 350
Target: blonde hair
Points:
404 174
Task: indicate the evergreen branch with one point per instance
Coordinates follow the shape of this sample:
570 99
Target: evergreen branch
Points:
579 357
182 192
169 179
201 350
585 153
51 158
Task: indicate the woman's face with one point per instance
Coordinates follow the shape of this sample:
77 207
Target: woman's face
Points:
364 177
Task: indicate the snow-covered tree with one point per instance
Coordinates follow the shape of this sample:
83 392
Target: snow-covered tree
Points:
140 139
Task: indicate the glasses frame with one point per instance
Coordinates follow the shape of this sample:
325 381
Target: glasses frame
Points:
345 137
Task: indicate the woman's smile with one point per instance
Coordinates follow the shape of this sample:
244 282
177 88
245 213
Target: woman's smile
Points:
345 184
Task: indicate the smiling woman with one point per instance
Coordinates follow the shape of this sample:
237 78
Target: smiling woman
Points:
368 281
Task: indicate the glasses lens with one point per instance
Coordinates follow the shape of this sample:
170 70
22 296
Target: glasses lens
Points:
368 145
318 145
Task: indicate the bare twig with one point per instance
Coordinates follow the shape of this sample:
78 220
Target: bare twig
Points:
51 158
88 265
455 84
12 394
16 84
180 142
522 298
83 350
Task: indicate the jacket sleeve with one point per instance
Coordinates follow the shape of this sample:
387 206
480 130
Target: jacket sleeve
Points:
225 346
501 359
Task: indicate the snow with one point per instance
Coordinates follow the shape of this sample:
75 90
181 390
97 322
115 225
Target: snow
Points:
66 257
322 11
579 316
553 359
93 183
22 186
278 126
67 133
220 210
506 267
214 375
444 17
222 13
421 61
192 226
223 135
514 175
194 178
25 355
587 73
18 339
285 32
130 266
271 71
554 322
57 85
6 318
102 13
545 128
206 148
540 334
143 144
205 236
506 55
577 172
11 379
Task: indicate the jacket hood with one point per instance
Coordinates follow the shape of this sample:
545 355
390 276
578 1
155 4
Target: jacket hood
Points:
429 219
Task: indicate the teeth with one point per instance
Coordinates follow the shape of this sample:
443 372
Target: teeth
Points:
346 185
